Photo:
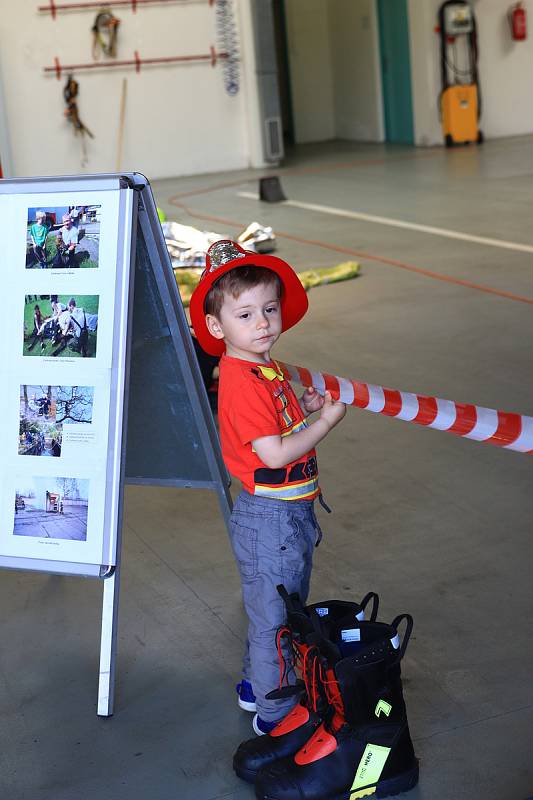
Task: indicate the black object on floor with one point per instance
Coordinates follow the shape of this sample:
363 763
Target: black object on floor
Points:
314 637
365 748
270 190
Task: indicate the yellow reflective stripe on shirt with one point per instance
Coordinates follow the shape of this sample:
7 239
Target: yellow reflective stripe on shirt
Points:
292 491
298 426
305 496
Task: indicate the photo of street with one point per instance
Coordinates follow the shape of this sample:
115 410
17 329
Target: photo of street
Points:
52 508
63 237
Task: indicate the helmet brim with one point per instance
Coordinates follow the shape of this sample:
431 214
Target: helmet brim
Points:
293 301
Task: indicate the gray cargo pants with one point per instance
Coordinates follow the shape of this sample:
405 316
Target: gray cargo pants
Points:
273 542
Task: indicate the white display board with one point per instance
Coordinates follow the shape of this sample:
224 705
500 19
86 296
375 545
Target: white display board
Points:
92 316
65 272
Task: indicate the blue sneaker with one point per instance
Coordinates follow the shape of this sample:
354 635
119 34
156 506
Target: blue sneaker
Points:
246 695
261 726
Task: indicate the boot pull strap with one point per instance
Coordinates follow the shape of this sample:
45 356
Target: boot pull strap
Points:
287 599
316 621
408 628
375 604
283 593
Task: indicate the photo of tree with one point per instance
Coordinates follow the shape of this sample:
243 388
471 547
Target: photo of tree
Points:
52 508
63 237
44 409
74 403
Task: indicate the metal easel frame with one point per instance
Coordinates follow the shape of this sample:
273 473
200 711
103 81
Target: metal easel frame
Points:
178 331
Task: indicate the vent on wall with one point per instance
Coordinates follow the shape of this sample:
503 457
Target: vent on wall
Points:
273 139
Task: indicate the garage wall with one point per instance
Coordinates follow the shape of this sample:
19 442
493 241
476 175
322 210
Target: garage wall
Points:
179 118
505 71
5 142
506 68
425 71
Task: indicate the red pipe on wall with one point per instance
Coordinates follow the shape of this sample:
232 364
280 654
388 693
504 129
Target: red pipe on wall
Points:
54 8
136 62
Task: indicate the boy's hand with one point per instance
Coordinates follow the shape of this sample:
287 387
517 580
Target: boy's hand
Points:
332 410
312 400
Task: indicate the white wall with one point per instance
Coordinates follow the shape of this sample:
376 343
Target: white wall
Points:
5 140
505 69
179 118
334 70
506 72
425 71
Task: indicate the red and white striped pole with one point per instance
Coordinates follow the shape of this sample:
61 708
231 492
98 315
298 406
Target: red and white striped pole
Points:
502 428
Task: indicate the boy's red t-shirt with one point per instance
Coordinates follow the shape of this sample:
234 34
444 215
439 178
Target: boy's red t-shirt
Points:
253 401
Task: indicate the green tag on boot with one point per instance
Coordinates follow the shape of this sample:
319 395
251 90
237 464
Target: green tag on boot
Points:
369 770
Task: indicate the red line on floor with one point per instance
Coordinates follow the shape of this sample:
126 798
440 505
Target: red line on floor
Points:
175 198
438 276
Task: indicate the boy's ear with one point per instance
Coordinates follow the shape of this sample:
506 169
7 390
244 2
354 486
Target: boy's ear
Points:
213 326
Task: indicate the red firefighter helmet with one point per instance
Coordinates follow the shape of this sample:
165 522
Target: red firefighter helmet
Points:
226 255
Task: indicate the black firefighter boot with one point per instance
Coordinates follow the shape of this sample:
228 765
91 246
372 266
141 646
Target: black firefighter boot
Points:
365 748
312 632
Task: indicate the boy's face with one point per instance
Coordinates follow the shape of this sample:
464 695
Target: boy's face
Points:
249 324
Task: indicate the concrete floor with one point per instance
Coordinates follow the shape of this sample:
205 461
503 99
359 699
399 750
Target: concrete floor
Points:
438 526
70 524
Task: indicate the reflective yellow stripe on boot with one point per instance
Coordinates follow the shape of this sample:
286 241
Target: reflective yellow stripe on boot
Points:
369 769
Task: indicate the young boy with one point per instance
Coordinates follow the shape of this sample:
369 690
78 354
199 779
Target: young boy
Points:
243 303
39 230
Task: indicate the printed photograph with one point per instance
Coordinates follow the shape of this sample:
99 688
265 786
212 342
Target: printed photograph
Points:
44 409
60 325
63 237
52 508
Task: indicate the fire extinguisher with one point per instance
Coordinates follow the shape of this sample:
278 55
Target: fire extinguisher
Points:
518 22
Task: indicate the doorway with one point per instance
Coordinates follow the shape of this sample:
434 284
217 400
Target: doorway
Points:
327 57
282 63
396 71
